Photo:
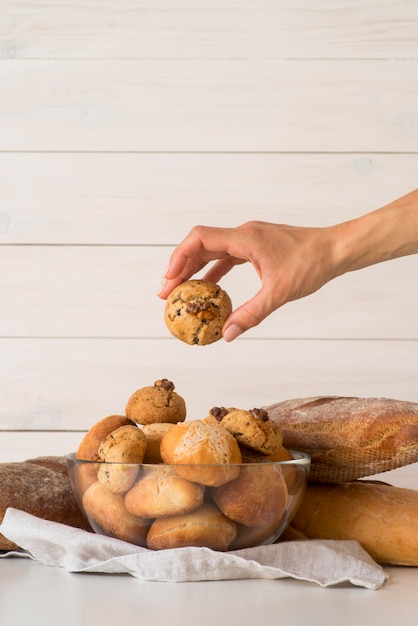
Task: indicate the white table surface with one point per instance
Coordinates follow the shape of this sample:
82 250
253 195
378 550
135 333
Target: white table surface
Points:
42 596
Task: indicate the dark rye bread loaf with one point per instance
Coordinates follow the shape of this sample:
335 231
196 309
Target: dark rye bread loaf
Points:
349 437
39 486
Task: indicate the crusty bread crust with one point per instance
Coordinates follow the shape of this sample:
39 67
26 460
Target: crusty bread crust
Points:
349 437
382 518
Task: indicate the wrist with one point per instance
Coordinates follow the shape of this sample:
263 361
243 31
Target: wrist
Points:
387 233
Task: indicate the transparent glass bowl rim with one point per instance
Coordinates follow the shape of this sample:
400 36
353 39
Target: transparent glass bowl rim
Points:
300 459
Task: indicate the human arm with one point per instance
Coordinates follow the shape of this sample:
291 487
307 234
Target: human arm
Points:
293 262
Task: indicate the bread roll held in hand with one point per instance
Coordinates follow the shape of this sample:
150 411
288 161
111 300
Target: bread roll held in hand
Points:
349 437
196 311
382 518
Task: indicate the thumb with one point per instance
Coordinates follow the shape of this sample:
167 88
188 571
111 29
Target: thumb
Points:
248 315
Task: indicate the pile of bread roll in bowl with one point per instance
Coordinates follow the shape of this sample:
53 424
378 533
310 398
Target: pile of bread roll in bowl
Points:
157 480
299 469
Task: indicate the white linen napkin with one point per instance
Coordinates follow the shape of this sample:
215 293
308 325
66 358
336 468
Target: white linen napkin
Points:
323 562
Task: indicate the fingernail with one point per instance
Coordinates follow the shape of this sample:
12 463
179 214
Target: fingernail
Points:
161 289
232 332
167 269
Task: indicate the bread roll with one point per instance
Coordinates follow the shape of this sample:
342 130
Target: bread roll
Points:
120 453
289 471
107 514
349 437
196 311
382 518
161 492
91 441
257 497
153 434
202 452
41 487
156 403
205 527
253 429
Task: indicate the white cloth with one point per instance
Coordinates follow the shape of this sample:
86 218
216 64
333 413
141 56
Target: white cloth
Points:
323 562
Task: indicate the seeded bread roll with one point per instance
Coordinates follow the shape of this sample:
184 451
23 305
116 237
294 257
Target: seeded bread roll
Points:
41 487
382 518
253 429
196 311
120 453
157 403
349 437
90 443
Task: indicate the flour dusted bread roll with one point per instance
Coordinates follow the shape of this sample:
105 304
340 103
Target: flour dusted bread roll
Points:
349 437
382 518
202 452
39 486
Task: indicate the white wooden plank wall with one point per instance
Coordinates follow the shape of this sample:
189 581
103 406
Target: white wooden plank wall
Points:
122 125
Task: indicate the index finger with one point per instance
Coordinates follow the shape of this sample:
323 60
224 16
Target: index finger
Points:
202 244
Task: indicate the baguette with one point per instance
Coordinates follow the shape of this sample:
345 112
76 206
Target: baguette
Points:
382 518
39 486
349 437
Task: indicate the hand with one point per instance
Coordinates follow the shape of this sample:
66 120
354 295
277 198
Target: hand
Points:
290 261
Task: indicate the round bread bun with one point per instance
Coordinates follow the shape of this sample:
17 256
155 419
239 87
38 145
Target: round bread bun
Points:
120 453
155 404
202 452
253 429
154 433
89 445
161 492
107 515
205 527
289 471
196 311
257 497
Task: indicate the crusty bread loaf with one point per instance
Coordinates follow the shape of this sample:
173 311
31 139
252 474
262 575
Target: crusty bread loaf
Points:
39 486
349 437
382 518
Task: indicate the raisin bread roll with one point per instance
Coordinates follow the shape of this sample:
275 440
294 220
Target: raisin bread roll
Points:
349 437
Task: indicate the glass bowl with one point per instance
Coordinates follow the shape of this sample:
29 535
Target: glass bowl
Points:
222 507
